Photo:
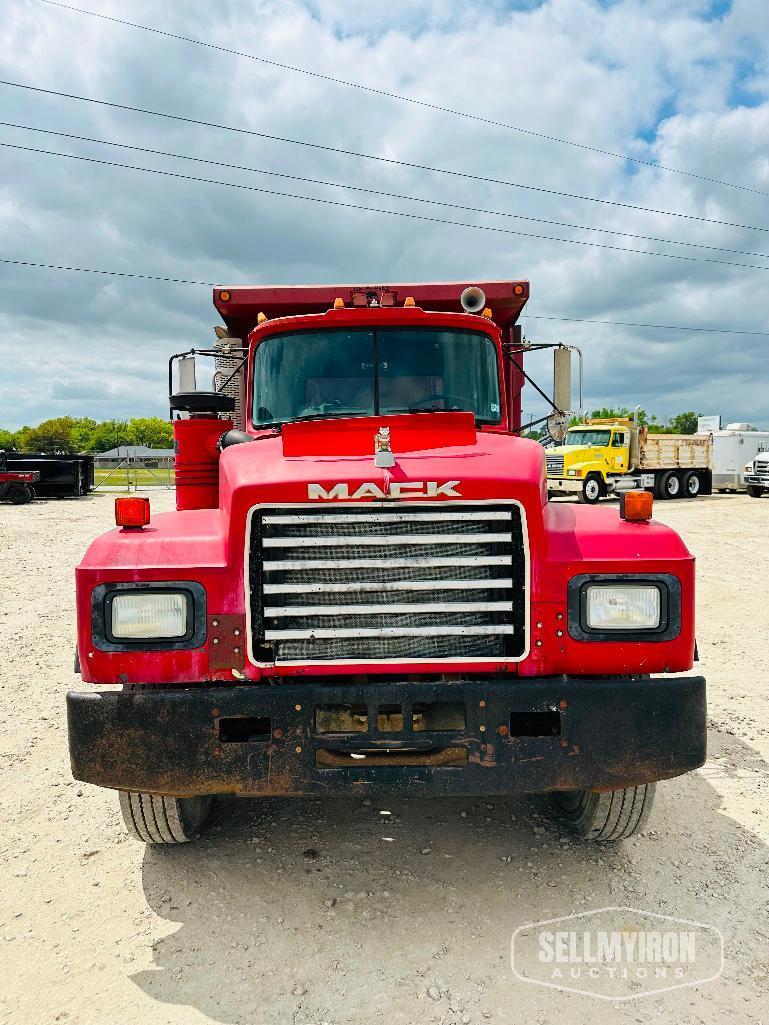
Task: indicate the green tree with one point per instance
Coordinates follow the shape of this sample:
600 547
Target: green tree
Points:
683 423
7 440
83 429
151 431
110 434
51 436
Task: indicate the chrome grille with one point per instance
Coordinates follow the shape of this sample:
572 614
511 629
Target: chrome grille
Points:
372 583
554 466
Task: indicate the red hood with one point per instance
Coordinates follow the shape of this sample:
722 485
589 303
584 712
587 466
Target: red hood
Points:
429 448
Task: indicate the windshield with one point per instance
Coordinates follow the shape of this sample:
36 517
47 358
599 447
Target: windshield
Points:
588 438
318 374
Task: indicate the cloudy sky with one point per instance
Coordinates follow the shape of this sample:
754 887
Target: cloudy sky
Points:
678 83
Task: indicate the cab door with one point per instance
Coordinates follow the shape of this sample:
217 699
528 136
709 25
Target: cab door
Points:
619 452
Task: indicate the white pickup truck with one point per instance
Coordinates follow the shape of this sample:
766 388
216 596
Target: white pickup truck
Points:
756 475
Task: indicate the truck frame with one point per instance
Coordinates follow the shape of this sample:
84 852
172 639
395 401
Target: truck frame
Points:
604 456
365 590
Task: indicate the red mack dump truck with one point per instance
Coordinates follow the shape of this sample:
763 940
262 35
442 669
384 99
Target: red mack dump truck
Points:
365 589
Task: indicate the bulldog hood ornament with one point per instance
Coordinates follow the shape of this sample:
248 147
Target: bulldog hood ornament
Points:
383 454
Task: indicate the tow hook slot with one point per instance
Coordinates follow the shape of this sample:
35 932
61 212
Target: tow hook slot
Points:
535 724
244 729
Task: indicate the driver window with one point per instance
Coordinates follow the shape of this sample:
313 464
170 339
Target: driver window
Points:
618 441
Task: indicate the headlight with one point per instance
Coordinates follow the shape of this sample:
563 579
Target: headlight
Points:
748 468
571 473
622 607
152 616
148 616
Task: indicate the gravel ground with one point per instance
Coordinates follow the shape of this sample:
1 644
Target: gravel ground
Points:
245 927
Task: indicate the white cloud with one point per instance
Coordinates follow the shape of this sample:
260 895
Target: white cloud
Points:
654 79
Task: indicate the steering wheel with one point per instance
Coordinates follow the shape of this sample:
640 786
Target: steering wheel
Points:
451 402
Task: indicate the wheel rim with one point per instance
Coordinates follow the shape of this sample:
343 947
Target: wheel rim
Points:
693 486
591 490
673 486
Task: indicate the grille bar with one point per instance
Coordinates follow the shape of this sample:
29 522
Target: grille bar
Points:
391 539
274 567
390 585
385 631
384 517
417 607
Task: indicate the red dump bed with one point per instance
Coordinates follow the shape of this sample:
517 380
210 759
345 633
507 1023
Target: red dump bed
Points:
239 305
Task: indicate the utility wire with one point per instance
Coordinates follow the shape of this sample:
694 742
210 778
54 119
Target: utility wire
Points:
379 210
657 327
405 99
379 192
213 284
109 273
368 156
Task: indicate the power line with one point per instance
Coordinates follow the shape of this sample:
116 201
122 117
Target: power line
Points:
379 192
368 156
109 273
380 210
657 327
405 99
213 284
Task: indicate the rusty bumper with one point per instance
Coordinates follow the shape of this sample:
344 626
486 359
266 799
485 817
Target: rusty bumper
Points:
471 737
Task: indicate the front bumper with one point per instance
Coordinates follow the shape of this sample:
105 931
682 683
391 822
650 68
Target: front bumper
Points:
472 737
572 485
761 481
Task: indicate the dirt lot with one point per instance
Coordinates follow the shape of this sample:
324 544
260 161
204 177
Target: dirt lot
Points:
244 928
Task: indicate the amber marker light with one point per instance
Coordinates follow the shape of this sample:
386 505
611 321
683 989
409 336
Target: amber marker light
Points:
518 290
224 295
339 303
132 513
261 317
635 506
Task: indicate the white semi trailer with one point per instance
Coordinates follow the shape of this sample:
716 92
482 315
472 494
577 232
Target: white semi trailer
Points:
734 447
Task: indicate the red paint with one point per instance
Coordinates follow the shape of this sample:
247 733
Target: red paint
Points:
207 545
196 465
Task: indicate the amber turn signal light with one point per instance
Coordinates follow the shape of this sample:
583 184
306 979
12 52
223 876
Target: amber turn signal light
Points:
132 513
224 295
635 505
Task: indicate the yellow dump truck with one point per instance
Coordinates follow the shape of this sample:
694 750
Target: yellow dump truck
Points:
600 457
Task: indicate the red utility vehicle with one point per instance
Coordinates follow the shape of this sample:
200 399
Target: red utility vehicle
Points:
364 588
16 486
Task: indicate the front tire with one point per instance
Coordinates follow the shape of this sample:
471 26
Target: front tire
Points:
20 494
754 490
163 820
606 817
591 490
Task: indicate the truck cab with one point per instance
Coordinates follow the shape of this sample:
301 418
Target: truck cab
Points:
364 587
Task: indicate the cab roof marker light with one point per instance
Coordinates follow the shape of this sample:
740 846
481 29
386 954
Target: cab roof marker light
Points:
339 303
409 301
487 313
261 317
